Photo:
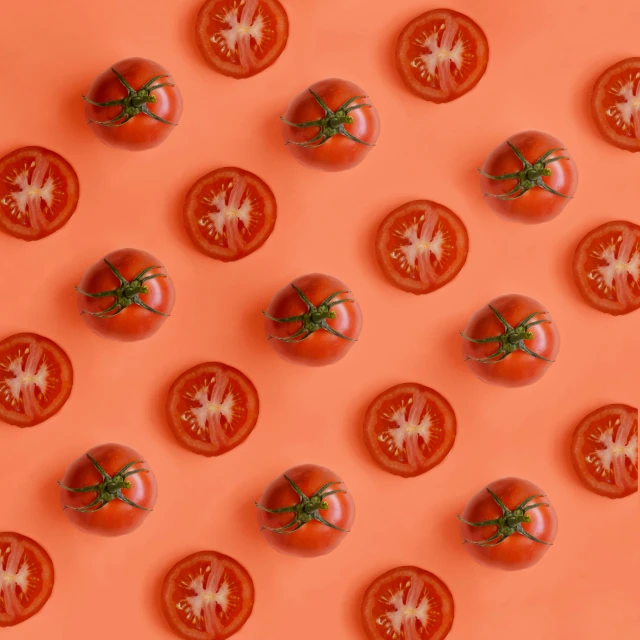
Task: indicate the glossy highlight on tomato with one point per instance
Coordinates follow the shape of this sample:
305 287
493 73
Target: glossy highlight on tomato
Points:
441 55
229 213
39 193
409 429
36 378
212 408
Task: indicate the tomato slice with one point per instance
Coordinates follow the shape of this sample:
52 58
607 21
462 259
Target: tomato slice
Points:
421 246
26 578
615 104
39 192
441 55
604 450
606 267
407 603
409 429
240 39
229 213
212 408
207 596
36 378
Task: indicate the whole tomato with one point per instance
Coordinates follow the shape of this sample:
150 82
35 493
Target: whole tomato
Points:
133 105
510 524
511 342
312 321
529 177
306 512
331 126
108 490
125 296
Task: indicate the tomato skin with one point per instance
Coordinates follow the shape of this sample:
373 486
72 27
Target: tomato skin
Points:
516 552
321 348
141 132
314 538
134 322
536 205
339 153
116 518
40 577
518 368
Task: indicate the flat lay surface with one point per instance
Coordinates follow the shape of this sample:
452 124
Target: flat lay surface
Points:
541 71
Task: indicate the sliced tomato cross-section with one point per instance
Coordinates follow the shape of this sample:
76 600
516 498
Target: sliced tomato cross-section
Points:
36 377
229 213
606 267
407 603
409 429
207 596
604 450
39 192
212 408
240 38
26 578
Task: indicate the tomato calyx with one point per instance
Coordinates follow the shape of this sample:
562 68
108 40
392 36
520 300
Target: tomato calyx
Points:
529 176
314 319
331 124
509 522
511 340
134 104
109 489
307 509
126 294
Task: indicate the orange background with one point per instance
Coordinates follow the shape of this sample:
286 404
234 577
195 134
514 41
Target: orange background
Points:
543 63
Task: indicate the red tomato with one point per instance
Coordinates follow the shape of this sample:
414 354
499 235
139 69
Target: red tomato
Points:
108 490
240 39
604 450
527 179
508 525
26 578
133 105
126 296
39 192
312 322
306 512
441 55
511 342
421 246
229 213
331 125
36 378
606 267
207 596
614 104
409 429
407 603
212 408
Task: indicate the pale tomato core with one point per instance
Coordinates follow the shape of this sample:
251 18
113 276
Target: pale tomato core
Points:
16 578
408 609
622 104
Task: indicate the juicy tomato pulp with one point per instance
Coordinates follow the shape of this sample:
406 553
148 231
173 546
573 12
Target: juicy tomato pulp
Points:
441 55
606 267
409 429
212 408
604 450
408 603
240 38
39 192
421 246
229 213
36 378
26 578
615 104
207 596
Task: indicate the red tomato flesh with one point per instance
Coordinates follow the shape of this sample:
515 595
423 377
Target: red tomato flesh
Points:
39 192
26 578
